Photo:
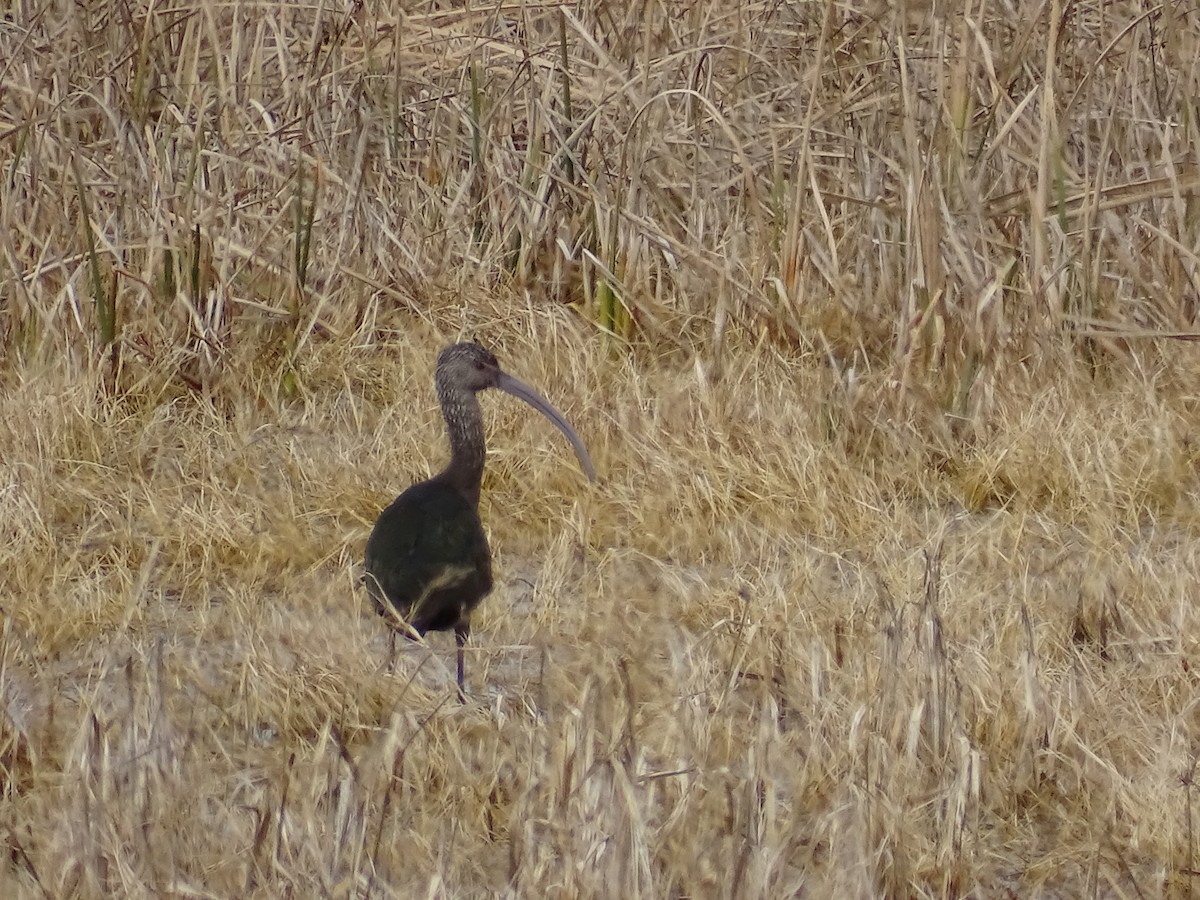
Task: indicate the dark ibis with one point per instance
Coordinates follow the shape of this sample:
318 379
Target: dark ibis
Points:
427 560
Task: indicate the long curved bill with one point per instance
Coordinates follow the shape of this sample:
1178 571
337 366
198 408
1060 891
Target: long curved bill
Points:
522 391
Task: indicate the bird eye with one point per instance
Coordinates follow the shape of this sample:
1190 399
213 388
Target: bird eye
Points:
479 365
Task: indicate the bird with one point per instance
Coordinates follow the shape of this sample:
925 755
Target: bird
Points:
427 561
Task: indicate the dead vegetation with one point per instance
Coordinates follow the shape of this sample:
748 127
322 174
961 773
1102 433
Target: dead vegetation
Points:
879 325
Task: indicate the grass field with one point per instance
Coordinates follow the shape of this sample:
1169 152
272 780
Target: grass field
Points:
880 327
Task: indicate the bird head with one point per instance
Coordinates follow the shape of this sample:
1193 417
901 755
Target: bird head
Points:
468 367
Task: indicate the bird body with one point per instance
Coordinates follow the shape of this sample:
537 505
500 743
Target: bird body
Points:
430 557
427 560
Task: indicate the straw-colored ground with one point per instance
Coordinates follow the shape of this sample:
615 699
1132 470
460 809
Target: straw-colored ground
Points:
876 327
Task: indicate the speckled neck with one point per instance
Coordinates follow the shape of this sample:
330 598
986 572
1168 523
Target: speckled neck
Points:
464 427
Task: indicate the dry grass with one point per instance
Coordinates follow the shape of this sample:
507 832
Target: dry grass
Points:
879 327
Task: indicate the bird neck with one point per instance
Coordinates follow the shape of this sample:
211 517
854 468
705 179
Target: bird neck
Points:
464 427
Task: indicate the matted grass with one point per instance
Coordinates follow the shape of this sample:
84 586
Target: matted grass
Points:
878 326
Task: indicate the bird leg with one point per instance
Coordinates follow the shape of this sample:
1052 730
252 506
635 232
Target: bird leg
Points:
462 631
